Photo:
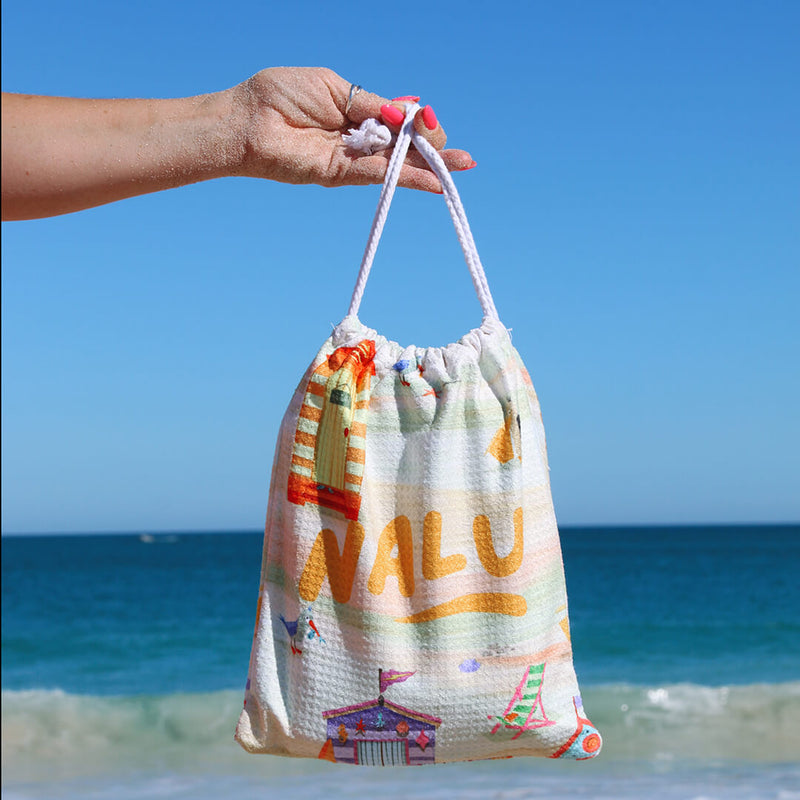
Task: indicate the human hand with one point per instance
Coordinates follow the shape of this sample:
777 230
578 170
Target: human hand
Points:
63 154
291 121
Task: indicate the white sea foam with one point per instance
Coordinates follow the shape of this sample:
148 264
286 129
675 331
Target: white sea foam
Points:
52 735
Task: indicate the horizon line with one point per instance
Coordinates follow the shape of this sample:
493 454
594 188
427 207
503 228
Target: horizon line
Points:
260 531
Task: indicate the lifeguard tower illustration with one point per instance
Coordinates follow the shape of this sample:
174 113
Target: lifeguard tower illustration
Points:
328 454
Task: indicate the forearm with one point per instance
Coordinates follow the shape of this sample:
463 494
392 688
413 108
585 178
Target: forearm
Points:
65 154
284 123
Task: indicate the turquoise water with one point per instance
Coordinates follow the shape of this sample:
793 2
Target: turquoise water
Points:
124 658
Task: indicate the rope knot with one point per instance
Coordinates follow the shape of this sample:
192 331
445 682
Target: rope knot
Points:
369 137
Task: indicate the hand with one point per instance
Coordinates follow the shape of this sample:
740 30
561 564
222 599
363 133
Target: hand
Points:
64 154
292 121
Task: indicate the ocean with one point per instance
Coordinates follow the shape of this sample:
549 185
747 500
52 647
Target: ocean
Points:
124 658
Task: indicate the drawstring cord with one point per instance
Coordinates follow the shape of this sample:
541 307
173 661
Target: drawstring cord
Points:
371 139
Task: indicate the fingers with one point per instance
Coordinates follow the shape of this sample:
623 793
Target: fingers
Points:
415 173
426 125
357 105
365 105
425 122
454 160
372 169
420 179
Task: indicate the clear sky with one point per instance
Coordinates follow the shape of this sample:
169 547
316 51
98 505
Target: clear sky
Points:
636 204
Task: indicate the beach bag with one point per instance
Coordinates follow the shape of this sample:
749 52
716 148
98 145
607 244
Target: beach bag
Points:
412 607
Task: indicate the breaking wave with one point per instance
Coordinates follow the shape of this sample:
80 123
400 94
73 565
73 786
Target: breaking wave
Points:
72 735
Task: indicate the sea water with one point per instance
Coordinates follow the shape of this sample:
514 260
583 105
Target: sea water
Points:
124 658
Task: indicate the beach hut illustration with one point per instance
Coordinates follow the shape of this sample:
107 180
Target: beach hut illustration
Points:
328 454
379 733
525 711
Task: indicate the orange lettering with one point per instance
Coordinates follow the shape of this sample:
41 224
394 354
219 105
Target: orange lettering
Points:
513 605
492 563
326 560
433 565
396 534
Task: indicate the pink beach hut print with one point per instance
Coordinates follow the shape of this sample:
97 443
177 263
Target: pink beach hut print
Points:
378 733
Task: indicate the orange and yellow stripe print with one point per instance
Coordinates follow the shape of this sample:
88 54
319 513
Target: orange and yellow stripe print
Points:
329 446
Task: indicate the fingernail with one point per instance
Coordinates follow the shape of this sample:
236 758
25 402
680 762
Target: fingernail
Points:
394 116
409 97
473 164
429 118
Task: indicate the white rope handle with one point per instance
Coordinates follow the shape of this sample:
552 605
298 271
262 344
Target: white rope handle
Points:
430 154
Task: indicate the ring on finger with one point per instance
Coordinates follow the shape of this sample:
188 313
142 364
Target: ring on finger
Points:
354 90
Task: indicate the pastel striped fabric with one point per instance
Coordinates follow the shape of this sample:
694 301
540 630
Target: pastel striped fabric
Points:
413 606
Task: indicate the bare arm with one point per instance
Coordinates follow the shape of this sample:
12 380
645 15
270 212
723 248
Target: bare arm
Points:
65 154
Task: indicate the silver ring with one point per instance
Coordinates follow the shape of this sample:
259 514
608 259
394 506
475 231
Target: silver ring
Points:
354 90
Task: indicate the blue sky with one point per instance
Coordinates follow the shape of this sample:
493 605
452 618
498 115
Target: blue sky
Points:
636 206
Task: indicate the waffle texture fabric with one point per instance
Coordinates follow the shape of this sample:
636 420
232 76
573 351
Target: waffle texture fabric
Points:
412 607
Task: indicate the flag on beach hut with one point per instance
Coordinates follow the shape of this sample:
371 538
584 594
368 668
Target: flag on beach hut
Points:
386 677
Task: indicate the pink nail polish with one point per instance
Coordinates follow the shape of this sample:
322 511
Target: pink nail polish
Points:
410 97
394 116
429 118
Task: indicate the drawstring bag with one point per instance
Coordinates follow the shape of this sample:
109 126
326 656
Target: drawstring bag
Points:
412 607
